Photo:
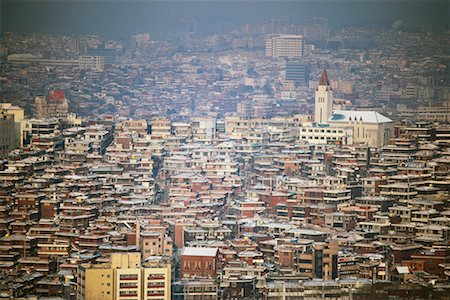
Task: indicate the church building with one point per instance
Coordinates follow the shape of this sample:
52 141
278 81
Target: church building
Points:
360 127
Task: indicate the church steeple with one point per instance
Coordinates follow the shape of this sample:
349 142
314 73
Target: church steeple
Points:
324 77
323 100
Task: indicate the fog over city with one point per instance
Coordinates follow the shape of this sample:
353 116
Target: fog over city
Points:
123 18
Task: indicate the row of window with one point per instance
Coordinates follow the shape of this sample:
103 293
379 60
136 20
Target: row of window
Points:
321 130
320 138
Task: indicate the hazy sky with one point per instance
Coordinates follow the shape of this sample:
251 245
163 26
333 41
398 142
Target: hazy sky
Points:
123 18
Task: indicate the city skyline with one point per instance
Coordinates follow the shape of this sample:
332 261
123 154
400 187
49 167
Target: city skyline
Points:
161 18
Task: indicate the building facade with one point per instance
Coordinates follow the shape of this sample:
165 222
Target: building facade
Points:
125 277
11 127
284 46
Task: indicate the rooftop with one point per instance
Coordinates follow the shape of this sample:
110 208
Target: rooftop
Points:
371 117
197 251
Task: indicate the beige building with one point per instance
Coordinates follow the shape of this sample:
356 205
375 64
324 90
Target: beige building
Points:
238 126
91 62
161 128
6 133
133 126
284 46
324 134
369 127
155 243
434 113
11 127
125 277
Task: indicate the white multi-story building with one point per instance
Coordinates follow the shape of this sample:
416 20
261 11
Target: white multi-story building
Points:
91 62
313 134
284 46
203 129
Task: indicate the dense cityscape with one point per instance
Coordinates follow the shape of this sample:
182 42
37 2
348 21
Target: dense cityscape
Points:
277 160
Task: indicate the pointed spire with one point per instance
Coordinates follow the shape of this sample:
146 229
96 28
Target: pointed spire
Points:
324 77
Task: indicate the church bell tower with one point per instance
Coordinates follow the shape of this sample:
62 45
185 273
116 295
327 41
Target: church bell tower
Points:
323 108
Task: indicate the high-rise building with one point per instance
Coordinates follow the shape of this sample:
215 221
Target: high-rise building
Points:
125 277
11 127
109 55
284 46
324 100
92 62
297 72
6 133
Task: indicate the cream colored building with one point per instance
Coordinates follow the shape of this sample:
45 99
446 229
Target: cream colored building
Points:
91 62
11 127
434 113
161 128
325 134
7 136
369 127
155 243
285 45
238 126
125 277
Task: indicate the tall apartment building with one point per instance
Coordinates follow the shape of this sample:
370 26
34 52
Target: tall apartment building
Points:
284 46
109 55
297 72
6 133
92 62
125 277
11 125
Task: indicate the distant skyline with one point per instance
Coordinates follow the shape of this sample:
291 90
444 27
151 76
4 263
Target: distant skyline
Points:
119 19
